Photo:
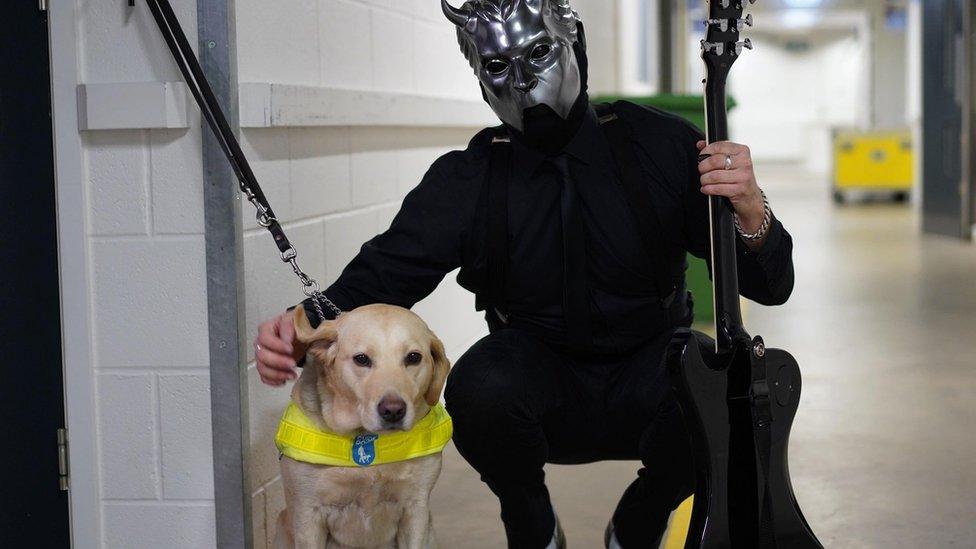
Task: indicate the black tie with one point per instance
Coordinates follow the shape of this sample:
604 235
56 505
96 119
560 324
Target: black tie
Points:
576 299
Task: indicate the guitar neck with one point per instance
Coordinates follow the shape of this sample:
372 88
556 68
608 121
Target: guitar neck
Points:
725 278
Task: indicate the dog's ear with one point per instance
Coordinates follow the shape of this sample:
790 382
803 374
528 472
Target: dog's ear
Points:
442 367
304 331
320 340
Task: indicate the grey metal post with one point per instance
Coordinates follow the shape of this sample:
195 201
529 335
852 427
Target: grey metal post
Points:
225 287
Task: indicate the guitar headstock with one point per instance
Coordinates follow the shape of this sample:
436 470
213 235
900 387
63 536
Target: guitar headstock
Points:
721 46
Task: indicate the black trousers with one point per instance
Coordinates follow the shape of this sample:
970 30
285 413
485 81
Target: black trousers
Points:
518 404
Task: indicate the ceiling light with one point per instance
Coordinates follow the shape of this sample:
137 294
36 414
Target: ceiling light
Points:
803 3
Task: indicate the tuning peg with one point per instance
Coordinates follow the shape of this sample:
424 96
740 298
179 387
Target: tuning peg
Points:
747 44
723 24
725 3
717 47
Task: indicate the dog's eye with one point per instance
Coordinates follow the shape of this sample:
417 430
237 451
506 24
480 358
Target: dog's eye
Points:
362 360
414 358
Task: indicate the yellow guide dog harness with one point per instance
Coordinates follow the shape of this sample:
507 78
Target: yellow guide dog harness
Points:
300 439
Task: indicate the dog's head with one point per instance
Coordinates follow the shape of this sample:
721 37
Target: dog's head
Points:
378 368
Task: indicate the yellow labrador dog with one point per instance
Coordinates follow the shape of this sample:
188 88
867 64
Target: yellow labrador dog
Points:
380 370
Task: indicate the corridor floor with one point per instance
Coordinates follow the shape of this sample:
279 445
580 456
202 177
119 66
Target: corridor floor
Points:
883 452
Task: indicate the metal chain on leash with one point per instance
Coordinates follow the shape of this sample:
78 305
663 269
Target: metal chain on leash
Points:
310 287
202 92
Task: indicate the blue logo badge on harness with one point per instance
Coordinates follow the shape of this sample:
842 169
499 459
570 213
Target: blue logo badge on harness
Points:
364 449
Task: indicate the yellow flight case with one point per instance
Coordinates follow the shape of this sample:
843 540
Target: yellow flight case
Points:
875 162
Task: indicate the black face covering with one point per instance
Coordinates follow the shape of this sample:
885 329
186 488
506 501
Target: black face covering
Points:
545 130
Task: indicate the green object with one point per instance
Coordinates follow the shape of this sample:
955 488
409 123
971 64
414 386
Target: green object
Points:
692 109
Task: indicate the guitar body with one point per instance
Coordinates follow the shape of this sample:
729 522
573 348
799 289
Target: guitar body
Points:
727 465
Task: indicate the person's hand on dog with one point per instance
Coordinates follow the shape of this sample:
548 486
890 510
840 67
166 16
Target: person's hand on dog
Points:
277 351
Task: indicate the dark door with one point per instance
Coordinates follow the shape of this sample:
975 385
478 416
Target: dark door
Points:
33 508
943 93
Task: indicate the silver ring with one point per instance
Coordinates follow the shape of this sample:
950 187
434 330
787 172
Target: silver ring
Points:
728 162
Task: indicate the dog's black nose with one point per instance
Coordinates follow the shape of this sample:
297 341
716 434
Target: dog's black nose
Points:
392 409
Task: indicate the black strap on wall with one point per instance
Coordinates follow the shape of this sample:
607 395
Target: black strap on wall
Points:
639 199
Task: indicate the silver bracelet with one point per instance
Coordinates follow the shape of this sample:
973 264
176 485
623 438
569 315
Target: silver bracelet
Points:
763 229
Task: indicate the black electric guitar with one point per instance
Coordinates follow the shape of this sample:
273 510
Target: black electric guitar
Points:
737 397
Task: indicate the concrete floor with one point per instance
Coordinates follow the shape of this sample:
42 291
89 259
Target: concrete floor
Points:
883 454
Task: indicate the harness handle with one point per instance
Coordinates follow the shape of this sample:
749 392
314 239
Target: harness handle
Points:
199 86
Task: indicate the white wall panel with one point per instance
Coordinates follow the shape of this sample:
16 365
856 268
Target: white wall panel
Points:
321 173
346 46
127 436
122 44
177 179
140 525
185 436
150 303
117 182
278 41
392 41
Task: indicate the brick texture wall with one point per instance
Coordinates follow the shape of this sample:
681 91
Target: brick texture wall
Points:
148 296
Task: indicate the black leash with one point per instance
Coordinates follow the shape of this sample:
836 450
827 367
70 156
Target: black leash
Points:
189 66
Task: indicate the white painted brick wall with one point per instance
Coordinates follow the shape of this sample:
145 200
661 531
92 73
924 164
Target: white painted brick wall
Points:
117 182
184 420
148 294
127 436
139 525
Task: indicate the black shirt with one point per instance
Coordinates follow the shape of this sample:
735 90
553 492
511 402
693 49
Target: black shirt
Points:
442 226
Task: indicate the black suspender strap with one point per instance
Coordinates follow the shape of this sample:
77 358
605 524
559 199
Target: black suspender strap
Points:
499 174
639 199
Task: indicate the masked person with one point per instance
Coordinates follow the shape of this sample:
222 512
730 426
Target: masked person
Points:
571 225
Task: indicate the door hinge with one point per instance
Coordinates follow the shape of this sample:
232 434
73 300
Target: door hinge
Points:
64 477
42 5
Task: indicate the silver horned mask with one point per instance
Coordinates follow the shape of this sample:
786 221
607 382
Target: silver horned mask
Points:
522 52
